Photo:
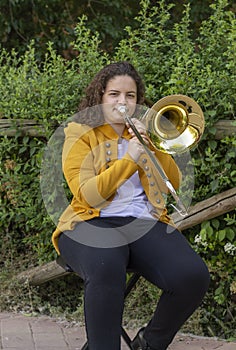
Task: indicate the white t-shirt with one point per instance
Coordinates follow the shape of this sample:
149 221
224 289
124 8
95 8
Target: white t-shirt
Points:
130 199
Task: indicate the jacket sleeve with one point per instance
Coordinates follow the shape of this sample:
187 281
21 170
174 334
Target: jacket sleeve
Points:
87 186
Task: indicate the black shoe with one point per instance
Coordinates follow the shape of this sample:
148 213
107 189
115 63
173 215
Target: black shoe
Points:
139 343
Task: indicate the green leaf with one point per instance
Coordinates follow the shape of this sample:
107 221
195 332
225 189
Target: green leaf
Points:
230 234
210 231
215 223
221 235
214 185
203 234
212 144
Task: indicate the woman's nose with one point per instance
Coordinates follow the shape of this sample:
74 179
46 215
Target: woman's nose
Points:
122 99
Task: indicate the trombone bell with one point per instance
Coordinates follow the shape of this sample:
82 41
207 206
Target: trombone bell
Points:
174 124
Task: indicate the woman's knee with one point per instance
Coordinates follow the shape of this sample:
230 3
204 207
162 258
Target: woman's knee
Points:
195 280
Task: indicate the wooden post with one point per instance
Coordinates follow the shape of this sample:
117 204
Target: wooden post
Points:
225 128
208 209
12 127
41 274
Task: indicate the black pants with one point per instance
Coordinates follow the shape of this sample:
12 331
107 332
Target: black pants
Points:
165 259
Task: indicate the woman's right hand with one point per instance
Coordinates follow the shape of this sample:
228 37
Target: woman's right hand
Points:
135 148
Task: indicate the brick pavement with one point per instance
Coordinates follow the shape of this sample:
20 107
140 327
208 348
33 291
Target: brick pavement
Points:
20 332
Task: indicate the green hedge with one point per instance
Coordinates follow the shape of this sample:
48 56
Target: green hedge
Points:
171 60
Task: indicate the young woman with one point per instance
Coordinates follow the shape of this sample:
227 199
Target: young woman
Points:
117 218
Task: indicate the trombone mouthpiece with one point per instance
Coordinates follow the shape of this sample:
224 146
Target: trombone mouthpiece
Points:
122 109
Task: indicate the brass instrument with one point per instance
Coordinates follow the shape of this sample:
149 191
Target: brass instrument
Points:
174 125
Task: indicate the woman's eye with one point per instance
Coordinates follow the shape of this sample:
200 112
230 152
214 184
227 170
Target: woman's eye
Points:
116 94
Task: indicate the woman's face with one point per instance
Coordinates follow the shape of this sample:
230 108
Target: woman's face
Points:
120 90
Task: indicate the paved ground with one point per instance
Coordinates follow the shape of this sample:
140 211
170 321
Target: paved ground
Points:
20 332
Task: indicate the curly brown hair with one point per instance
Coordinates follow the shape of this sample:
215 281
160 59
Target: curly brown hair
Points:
95 91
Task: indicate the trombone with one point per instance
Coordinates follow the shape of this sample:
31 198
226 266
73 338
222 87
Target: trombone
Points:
174 125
